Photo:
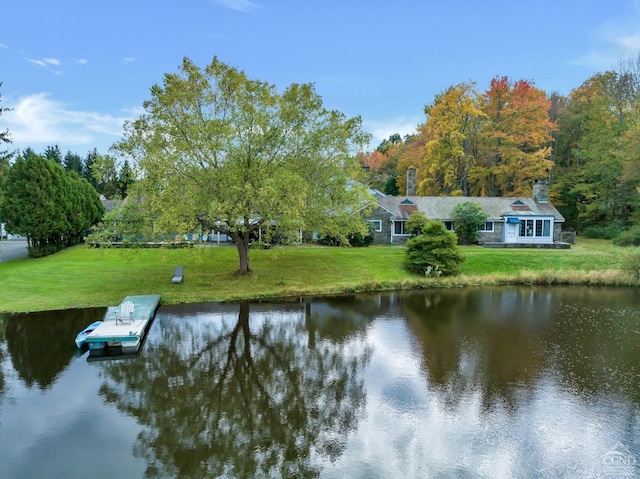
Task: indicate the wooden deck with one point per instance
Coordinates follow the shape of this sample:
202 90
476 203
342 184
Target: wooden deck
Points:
125 332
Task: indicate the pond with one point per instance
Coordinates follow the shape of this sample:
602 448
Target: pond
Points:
472 383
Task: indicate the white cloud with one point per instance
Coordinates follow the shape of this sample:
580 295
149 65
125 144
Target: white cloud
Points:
617 40
36 120
39 63
381 130
239 5
46 63
129 60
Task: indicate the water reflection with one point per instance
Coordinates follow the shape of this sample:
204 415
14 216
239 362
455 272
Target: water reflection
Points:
479 383
243 395
38 343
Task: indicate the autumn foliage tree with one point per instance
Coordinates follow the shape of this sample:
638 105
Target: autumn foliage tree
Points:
454 121
491 144
382 164
597 173
516 139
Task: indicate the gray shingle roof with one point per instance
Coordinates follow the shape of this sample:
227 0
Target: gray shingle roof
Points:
441 207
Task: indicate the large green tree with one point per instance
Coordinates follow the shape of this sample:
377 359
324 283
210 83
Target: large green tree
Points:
222 152
104 170
126 178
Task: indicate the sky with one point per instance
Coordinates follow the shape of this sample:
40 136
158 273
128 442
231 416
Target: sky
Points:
73 71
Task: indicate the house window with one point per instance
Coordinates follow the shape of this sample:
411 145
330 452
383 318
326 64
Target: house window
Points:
377 225
398 228
448 225
535 228
526 228
488 226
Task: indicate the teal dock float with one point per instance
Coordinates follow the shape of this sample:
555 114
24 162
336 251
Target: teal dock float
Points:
126 325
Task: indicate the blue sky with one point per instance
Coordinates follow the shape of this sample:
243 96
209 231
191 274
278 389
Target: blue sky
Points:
73 71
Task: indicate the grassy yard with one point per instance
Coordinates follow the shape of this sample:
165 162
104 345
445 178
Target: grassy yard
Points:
82 276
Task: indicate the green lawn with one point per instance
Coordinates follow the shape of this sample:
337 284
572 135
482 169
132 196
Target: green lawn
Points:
82 276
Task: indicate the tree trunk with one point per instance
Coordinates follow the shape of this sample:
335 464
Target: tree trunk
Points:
242 243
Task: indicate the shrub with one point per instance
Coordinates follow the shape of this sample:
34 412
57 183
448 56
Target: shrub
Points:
434 252
357 239
416 223
609 231
631 237
354 239
468 218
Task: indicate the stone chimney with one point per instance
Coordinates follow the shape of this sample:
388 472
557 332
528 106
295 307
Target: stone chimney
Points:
541 191
411 181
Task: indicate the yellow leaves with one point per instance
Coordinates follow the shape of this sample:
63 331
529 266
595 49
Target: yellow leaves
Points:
491 144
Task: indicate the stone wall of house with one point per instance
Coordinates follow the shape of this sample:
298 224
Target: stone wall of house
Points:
557 231
400 239
382 215
495 236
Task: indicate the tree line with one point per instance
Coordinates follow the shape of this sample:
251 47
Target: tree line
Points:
497 141
101 171
54 200
219 151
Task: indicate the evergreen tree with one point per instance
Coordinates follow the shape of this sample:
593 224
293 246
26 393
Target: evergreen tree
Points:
434 251
53 153
125 179
73 162
87 168
51 207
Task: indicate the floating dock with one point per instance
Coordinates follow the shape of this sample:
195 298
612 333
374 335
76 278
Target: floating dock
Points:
125 326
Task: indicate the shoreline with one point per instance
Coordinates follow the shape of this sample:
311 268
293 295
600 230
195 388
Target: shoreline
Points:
83 277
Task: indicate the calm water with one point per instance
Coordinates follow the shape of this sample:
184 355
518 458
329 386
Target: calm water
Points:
487 383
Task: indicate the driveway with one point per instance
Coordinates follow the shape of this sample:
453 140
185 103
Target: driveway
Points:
13 249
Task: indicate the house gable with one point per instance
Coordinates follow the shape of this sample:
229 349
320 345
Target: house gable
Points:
406 208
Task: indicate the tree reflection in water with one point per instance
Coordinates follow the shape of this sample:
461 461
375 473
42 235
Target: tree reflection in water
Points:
41 345
251 397
3 381
501 342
